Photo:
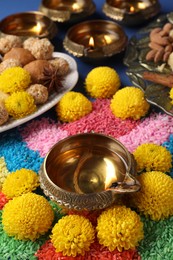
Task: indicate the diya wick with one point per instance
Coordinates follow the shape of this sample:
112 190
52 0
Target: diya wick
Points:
88 171
95 39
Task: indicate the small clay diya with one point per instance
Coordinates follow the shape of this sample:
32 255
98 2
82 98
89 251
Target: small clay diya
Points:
95 39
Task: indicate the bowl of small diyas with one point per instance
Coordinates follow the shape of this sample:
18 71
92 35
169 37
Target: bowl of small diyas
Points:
88 171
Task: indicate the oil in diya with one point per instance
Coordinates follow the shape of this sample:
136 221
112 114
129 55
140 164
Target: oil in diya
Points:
95 39
88 171
29 24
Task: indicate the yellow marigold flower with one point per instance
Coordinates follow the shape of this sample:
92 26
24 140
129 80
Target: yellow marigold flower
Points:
20 104
73 235
27 217
14 79
102 82
152 157
20 182
73 106
155 199
129 102
119 227
171 95
3 171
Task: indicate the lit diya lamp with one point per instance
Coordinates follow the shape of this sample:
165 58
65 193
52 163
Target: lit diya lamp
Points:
131 12
95 39
66 10
88 171
29 24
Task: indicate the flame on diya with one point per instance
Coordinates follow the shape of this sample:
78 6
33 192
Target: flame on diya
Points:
88 171
95 39
28 24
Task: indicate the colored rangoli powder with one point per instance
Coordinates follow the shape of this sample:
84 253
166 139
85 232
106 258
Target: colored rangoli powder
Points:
26 146
17 155
17 249
154 129
3 171
3 200
97 252
41 135
101 120
158 240
169 145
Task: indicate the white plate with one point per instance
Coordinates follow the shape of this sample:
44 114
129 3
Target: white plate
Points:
68 83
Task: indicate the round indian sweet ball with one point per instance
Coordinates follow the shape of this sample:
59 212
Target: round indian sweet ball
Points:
9 63
4 116
129 102
27 217
73 235
119 228
8 42
152 157
3 96
41 49
73 106
61 65
155 197
102 82
39 93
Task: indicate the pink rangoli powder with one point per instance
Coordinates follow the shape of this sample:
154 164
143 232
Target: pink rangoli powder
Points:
101 120
41 135
154 129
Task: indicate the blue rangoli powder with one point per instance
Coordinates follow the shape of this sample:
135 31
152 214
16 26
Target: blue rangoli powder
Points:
169 146
16 153
158 237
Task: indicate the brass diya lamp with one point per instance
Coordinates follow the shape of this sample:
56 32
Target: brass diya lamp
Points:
95 39
28 24
131 12
88 171
67 10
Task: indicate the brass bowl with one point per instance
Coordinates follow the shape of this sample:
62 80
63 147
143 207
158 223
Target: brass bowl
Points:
28 24
88 171
66 10
131 13
108 38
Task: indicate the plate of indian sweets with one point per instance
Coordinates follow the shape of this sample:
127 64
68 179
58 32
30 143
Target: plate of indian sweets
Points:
33 78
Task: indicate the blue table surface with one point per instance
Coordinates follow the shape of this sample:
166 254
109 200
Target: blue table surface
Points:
8 7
